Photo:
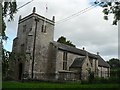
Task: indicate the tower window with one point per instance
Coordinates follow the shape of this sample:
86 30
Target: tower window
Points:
43 28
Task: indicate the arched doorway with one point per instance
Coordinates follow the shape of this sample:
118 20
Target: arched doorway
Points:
20 71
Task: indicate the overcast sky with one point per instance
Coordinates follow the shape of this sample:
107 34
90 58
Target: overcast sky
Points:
87 30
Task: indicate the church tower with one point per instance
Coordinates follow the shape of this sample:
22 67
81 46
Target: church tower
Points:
35 32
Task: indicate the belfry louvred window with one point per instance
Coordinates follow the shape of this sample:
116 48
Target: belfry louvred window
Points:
44 27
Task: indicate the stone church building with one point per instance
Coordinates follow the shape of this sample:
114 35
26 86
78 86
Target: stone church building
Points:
38 56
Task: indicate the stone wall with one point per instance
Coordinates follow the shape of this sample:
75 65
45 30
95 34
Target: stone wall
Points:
86 68
41 47
33 44
84 71
103 72
59 60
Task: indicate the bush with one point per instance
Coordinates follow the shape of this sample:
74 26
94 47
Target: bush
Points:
91 77
8 78
84 82
106 80
114 80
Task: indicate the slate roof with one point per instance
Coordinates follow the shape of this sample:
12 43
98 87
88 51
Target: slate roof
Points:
77 63
73 49
60 46
101 62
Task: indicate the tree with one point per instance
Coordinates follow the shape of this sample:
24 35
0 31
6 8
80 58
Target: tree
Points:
62 39
5 62
115 68
114 63
8 10
110 8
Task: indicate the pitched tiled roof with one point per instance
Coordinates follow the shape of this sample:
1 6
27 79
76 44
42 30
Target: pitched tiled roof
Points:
101 62
64 47
71 49
77 63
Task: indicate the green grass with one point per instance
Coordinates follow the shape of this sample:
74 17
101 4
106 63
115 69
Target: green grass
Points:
55 85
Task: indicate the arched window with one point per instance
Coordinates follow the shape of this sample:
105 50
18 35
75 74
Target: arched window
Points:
64 60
